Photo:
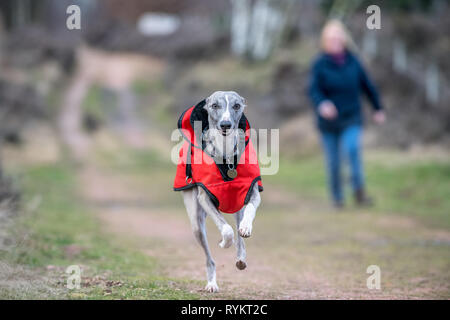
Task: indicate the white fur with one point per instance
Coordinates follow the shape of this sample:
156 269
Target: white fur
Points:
223 146
226 116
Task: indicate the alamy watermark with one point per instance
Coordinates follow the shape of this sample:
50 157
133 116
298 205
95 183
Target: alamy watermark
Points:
374 20
266 143
73 21
74 278
374 280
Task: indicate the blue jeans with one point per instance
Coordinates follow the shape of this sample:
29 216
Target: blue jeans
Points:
338 146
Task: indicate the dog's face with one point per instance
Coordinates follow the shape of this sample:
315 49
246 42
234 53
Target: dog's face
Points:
225 109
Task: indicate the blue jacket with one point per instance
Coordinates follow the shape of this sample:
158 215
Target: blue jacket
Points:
341 84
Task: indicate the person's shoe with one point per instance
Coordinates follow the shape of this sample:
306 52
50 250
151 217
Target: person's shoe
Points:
362 199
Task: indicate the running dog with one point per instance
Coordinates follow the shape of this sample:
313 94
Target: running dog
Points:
218 172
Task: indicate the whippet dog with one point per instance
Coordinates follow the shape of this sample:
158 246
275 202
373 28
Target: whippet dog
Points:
225 109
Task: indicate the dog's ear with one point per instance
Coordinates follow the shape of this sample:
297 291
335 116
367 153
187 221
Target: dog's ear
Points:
207 100
243 102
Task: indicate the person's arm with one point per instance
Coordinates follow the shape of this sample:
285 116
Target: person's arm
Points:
323 106
315 92
369 88
372 93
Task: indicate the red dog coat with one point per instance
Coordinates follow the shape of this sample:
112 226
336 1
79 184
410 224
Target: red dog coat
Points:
196 168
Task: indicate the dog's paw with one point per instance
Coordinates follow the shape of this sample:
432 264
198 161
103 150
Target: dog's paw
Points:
212 287
227 236
241 265
245 229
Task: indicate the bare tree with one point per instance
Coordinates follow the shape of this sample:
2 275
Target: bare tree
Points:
257 26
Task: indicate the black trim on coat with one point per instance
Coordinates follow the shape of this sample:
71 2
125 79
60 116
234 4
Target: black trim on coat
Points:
249 193
213 198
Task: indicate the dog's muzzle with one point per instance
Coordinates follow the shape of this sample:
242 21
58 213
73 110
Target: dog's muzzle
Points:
225 127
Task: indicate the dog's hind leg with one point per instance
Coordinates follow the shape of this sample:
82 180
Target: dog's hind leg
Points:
225 229
246 225
197 218
240 245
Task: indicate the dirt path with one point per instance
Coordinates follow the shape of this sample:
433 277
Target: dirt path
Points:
165 233
299 250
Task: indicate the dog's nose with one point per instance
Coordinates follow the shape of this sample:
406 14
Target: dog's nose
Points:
225 125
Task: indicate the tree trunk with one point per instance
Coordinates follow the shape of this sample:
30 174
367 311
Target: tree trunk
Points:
257 27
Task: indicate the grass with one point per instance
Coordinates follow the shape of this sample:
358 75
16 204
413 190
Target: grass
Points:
415 188
62 224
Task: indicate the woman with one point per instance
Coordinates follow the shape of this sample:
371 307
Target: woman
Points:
336 83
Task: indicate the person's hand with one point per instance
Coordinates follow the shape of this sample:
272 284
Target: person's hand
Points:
328 110
379 117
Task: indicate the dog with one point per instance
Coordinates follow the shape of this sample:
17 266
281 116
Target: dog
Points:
230 184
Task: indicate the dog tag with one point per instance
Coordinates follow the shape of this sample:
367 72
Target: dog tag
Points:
232 173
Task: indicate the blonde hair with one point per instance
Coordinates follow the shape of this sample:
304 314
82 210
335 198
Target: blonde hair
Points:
335 23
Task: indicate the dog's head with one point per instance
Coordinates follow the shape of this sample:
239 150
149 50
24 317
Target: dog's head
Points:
225 109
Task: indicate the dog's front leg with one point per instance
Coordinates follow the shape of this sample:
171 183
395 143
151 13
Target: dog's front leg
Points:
197 217
240 245
225 229
245 227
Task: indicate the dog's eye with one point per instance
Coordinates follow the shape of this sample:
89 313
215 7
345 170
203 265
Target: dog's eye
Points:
215 106
237 106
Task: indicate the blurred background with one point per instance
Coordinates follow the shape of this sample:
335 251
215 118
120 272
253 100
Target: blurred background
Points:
86 118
